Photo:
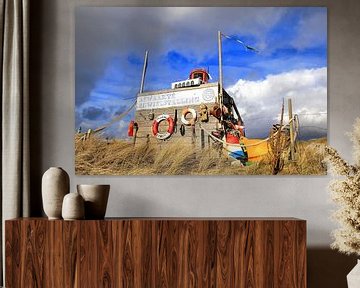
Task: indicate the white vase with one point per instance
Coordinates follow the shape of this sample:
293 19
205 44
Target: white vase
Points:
95 197
353 278
73 207
55 185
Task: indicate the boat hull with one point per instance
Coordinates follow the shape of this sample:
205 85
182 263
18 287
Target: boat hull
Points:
257 149
254 151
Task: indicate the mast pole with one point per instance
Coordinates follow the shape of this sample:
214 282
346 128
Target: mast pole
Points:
220 76
144 72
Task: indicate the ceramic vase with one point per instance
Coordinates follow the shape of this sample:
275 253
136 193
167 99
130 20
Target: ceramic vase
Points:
353 278
96 198
73 207
55 185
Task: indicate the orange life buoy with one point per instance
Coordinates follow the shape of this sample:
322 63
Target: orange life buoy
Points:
193 114
131 128
216 111
155 127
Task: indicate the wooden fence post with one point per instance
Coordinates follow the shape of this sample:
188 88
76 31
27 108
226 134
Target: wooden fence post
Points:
291 124
278 149
136 127
202 137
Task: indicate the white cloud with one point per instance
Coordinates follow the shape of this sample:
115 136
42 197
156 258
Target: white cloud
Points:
260 101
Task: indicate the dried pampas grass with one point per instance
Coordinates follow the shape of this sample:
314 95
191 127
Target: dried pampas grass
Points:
345 191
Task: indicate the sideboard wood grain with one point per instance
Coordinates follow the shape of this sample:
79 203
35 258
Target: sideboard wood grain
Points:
156 252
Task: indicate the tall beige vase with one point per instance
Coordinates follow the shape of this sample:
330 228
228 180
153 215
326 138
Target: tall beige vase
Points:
55 185
96 198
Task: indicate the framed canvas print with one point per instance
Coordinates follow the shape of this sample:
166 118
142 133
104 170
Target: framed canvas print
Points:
200 90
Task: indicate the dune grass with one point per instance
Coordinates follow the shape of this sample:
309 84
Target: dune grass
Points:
96 156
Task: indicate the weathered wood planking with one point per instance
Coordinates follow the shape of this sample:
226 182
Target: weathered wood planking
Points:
145 124
232 252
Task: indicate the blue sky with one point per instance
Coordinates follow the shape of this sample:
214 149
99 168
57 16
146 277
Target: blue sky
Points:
111 41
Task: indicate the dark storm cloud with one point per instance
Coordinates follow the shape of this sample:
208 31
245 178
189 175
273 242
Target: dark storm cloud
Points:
307 133
93 113
121 110
105 32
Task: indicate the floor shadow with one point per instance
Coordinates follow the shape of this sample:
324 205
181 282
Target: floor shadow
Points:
328 268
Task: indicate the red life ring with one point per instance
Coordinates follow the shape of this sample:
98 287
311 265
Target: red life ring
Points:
155 127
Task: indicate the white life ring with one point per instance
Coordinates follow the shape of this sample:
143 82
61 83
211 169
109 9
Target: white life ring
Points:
193 114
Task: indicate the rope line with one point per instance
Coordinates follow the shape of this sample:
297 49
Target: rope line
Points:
233 144
242 145
285 114
115 119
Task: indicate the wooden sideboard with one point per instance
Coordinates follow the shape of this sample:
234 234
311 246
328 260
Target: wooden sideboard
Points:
156 252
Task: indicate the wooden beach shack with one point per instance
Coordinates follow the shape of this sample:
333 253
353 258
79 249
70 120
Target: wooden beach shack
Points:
187 110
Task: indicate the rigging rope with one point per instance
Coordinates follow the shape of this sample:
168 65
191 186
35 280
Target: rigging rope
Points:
249 145
115 119
233 144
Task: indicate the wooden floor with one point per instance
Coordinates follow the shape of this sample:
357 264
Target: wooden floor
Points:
156 253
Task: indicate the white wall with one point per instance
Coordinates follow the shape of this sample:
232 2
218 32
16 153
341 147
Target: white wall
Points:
297 196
